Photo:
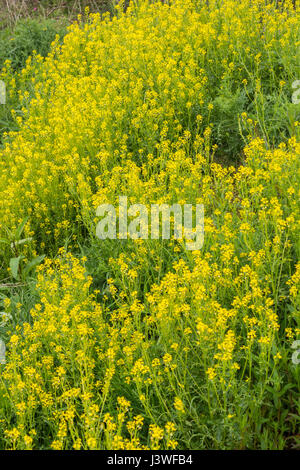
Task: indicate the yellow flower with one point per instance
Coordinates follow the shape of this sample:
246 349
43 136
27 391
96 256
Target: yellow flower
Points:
211 373
178 405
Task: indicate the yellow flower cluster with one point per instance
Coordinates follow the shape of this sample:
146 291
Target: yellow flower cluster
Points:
61 371
118 111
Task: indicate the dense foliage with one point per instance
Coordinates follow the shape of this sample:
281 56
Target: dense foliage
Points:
123 344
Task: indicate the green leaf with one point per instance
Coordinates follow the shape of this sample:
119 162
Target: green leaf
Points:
21 228
14 266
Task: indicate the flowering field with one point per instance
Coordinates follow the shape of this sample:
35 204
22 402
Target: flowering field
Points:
144 344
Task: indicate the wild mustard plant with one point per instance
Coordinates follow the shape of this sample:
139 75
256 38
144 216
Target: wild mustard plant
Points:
143 344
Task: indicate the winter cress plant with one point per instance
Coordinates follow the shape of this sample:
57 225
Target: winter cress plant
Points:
144 344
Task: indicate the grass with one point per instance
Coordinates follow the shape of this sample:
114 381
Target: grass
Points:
15 10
